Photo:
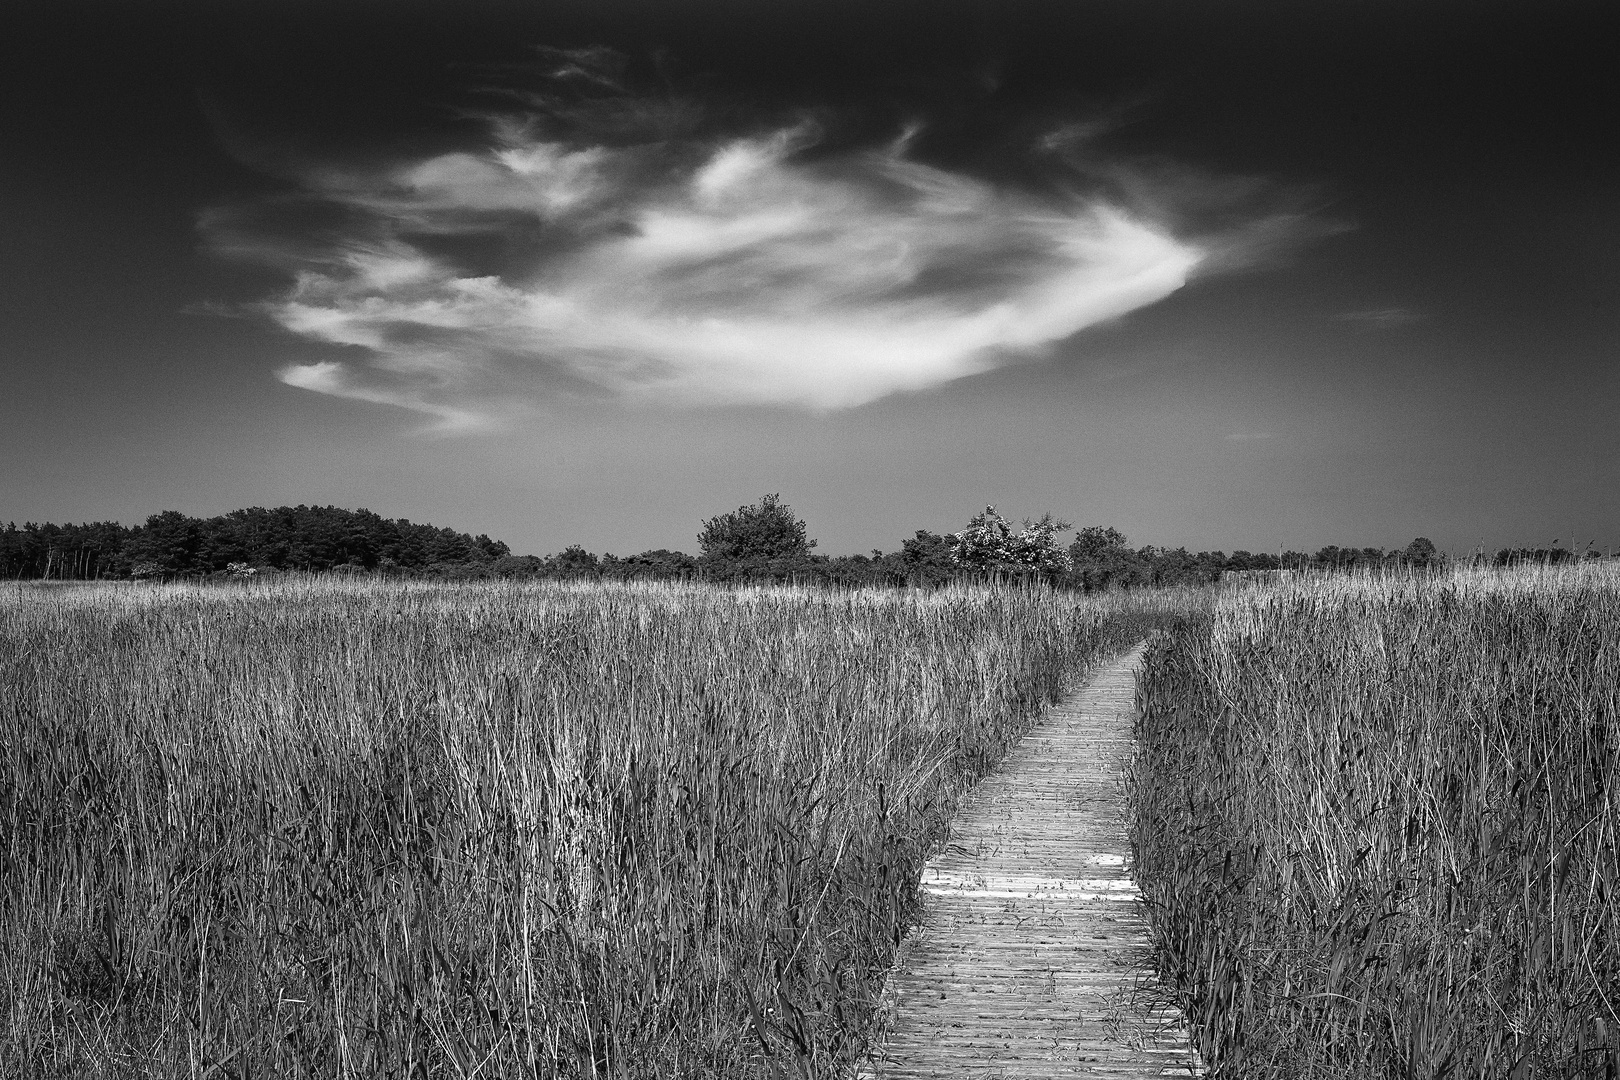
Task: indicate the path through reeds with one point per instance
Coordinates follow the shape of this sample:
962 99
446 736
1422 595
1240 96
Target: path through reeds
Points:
1033 960
343 831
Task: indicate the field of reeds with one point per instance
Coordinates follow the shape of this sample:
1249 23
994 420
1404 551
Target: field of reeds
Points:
315 829
1376 825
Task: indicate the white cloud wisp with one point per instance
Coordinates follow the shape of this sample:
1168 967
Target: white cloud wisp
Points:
743 271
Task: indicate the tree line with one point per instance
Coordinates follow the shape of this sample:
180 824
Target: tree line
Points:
303 538
763 541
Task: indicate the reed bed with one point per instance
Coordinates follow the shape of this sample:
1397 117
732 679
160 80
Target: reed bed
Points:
1375 821
315 829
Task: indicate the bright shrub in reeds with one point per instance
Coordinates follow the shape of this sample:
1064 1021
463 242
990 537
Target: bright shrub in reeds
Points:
366 830
1375 823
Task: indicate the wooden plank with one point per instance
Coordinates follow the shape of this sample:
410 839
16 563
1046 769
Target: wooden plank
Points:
1033 959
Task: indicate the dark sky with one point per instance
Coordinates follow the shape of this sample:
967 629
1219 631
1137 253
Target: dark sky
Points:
1232 275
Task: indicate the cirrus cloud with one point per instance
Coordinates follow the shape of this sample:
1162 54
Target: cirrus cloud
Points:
1381 318
759 269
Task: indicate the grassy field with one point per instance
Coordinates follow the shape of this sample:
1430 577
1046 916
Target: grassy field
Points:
357 829
321 829
1376 825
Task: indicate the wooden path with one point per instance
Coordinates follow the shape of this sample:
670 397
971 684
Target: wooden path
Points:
1033 957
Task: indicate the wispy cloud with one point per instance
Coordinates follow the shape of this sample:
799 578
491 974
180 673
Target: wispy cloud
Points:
687 268
1381 318
330 377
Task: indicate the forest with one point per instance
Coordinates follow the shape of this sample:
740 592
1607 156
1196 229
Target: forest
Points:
172 545
764 541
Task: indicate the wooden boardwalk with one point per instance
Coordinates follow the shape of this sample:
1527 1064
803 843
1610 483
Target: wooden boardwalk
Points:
1033 957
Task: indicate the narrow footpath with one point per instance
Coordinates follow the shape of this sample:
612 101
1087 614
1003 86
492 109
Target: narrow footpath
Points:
1033 959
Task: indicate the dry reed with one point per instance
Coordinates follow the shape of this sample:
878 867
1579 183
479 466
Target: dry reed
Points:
308 829
1375 822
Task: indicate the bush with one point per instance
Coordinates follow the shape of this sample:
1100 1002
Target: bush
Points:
989 545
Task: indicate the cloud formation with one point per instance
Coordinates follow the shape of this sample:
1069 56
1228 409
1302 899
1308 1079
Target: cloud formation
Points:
758 269
1381 318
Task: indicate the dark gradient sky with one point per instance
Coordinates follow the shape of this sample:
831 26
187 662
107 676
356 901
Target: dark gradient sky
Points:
1407 323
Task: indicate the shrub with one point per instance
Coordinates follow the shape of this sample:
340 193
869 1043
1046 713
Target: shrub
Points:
989 545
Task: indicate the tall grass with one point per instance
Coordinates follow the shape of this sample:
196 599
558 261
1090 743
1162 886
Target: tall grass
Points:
365 830
1375 822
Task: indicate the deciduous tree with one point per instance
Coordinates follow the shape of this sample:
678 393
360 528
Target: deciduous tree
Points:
768 529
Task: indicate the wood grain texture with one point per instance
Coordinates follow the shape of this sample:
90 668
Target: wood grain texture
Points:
1033 958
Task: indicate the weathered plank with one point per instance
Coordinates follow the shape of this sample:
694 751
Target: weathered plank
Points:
1033 958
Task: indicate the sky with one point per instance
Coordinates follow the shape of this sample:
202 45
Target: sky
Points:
1228 276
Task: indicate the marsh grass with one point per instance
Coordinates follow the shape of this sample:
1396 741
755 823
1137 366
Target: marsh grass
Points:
1375 823
317 829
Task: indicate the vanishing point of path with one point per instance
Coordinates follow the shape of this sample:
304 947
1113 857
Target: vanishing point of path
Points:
1033 959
